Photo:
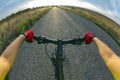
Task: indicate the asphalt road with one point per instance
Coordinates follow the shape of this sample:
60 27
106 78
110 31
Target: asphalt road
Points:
83 62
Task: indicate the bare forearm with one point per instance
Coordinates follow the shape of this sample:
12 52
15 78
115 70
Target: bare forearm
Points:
103 49
11 51
110 58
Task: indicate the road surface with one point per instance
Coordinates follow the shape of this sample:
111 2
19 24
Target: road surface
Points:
82 61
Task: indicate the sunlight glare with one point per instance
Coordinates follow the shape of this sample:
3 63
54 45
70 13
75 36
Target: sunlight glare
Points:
37 3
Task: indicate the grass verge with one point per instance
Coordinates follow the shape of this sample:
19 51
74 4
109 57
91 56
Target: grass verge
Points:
13 25
112 28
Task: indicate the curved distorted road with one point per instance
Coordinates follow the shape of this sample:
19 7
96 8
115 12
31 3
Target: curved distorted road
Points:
82 61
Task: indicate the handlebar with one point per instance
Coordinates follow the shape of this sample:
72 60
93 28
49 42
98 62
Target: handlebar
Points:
43 40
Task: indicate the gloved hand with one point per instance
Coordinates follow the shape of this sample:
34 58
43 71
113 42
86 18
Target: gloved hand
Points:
88 37
29 35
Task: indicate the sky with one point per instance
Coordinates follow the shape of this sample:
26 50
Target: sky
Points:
109 8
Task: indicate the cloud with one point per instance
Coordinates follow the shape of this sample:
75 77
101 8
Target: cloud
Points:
109 8
9 7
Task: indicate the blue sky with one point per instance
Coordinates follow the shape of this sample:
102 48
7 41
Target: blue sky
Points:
109 8
9 6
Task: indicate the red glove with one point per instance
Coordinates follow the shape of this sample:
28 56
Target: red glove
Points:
88 37
29 35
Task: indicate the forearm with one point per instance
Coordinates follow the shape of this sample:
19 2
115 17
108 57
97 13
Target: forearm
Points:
11 51
105 52
110 58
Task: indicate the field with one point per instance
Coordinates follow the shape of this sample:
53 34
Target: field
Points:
15 24
112 28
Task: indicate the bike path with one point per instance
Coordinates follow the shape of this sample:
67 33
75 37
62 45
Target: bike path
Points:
82 61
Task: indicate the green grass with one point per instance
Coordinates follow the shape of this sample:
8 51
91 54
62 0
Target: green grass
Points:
108 25
15 24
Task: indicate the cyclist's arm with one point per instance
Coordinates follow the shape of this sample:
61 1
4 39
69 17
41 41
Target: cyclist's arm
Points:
110 58
10 52
8 56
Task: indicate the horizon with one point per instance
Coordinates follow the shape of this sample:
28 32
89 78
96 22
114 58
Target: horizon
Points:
111 10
